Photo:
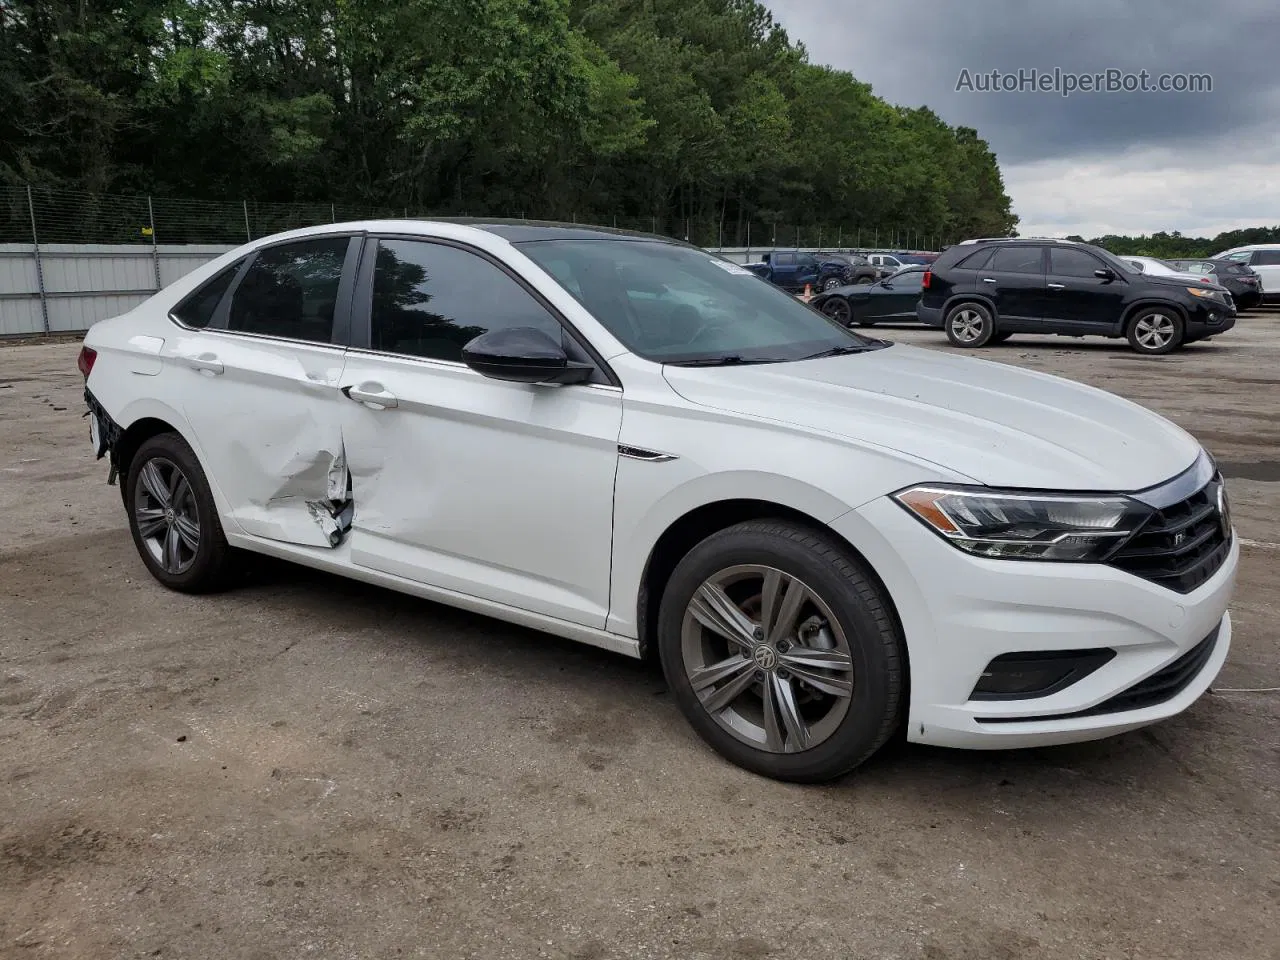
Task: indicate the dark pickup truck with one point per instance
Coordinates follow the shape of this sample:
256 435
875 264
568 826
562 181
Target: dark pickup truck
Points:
794 271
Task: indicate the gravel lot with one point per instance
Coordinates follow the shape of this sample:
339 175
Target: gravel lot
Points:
308 767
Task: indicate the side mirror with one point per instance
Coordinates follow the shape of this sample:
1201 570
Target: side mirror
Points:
1105 273
523 355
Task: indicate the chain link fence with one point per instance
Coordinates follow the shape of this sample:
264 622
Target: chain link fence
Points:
43 215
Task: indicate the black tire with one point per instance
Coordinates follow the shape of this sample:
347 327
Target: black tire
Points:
866 625
199 570
1000 337
865 279
831 283
1155 331
838 309
970 325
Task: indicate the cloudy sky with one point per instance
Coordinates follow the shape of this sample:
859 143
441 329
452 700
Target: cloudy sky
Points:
1089 163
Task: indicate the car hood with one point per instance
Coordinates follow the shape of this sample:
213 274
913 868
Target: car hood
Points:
985 421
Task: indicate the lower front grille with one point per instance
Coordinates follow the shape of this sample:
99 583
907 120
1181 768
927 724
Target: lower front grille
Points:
1162 686
1183 545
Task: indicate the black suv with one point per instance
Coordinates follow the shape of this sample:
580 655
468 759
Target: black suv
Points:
984 291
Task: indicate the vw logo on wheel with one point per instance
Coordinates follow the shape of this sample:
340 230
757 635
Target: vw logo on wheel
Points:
765 657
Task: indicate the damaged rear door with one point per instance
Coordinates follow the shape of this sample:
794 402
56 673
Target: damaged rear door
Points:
261 390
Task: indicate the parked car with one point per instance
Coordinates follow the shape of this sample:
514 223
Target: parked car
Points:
860 269
1239 279
795 271
1163 268
887 263
1264 259
823 537
894 299
985 291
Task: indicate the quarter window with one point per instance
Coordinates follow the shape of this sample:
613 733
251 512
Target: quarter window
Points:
1065 262
291 291
1017 260
976 261
197 309
430 300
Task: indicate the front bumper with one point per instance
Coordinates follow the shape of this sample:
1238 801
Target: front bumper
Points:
959 612
1209 319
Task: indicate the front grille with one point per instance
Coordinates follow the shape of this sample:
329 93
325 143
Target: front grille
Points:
1163 685
1183 545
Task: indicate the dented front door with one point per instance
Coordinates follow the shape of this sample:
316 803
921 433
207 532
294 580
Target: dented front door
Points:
266 415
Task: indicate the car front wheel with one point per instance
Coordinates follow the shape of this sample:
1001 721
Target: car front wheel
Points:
831 283
1155 331
838 309
970 325
172 516
781 651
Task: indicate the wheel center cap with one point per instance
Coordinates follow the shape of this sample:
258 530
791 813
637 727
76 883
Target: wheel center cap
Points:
765 656
169 516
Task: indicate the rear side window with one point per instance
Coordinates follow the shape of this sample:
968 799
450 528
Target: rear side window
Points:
1266 258
976 261
1065 262
197 309
430 300
1017 260
291 290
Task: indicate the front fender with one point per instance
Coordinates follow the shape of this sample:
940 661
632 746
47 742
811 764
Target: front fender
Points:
636 531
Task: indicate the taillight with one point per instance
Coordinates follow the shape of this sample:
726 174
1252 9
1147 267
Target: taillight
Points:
85 361
926 279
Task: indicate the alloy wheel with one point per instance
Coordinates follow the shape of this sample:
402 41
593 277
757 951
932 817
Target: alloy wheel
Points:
838 309
168 519
967 325
767 658
1154 331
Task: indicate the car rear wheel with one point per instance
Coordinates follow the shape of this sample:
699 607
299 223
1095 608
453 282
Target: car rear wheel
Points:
831 283
172 516
970 325
865 279
781 651
838 309
1155 331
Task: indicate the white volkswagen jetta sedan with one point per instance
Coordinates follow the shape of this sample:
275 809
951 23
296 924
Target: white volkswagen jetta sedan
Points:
626 441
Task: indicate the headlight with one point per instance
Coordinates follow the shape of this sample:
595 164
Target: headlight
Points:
1206 294
1014 525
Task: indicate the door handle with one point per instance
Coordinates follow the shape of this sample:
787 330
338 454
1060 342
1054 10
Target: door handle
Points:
206 363
1057 286
372 396
988 279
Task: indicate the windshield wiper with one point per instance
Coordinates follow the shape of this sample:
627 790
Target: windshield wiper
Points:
840 351
728 360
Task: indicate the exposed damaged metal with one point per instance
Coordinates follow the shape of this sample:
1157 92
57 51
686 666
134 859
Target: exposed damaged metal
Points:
334 514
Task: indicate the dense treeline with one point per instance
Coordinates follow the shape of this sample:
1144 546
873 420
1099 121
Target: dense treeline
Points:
699 109
1177 247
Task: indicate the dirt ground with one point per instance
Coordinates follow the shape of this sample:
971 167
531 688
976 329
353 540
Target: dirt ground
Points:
308 767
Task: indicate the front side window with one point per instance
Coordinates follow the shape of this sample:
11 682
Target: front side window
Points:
431 299
291 290
1017 259
1065 262
198 308
675 304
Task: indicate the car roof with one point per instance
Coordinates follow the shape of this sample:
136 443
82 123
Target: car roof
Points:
511 230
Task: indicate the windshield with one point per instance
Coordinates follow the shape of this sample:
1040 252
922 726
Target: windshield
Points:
676 304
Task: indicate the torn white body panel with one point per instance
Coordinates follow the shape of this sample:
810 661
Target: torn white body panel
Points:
269 417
